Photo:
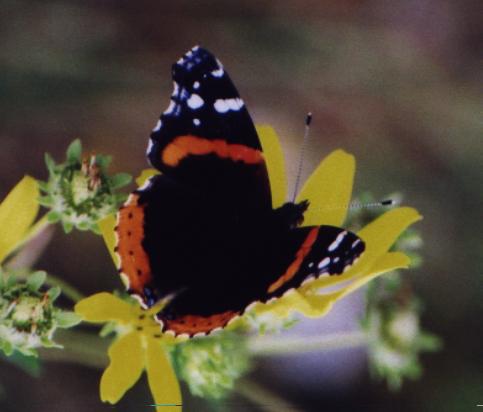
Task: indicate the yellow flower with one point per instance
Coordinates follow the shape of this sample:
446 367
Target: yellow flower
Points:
329 190
17 214
139 346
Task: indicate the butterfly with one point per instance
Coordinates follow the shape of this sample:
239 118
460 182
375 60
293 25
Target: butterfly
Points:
202 234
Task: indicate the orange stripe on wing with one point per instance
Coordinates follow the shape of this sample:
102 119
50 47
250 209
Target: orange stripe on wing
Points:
303 251
183 146
193 324
134 262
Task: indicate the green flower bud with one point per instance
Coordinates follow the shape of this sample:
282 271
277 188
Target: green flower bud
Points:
394 333
79 191
28 318
210 365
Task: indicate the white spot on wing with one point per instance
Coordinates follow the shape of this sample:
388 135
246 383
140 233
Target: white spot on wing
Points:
196 122
324 263
335 244
175 89
196 85
195 102
218 72
150 146
158 126
355 243
224 105
170 108
221 106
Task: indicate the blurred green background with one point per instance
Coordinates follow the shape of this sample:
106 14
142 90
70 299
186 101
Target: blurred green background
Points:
397 83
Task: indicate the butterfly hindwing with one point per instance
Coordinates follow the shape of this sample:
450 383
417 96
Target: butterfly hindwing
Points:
301 254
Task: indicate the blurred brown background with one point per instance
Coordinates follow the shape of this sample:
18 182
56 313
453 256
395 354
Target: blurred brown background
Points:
397 83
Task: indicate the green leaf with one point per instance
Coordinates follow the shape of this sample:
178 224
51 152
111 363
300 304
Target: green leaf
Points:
43 185
36 280
120 180
103 161
67 226
53 216
107 329
28 364
48 343
28 352
53 293
10 281
74 151
6 347
50 163
83 225
46 201
67 319
95 229
120 198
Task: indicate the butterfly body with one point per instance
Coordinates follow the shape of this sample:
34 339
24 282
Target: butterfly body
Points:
204 232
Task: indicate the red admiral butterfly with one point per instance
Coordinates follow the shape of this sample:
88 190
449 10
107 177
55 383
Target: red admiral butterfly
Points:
204 231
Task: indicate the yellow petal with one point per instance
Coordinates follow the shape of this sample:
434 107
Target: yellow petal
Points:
162 379
292 301
390 261
381 234
107 226
145 175
275 164
317 305
104 307
329 190
17 213
127 363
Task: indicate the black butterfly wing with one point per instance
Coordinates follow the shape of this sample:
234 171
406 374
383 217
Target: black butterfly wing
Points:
206 138
289 260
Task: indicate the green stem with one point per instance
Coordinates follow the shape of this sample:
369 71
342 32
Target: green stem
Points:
79 347
264 398
34 231
69 291
302 344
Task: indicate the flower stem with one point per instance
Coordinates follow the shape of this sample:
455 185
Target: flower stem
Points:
34 231
79 347
69 291
264 398
301 344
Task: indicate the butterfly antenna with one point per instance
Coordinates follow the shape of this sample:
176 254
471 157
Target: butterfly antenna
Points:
387 202
308 120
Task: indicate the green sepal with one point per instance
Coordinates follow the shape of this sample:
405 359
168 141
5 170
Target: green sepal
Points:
103 161
74 151
53 293
7 347
120 180
36 280
67 319
28 364
53 216
46 201
50 163
67 226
